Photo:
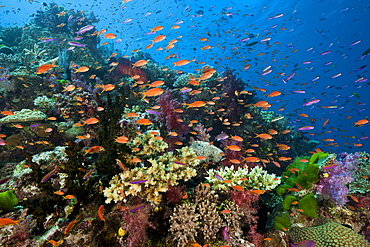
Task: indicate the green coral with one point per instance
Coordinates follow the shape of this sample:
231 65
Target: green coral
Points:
300 174
328 235
8 200
287 203
318 157
309 205
256 178
282 222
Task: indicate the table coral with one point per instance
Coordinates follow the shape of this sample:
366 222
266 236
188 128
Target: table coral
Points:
328 235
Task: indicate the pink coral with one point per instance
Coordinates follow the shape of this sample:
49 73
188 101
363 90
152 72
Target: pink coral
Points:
135 224
171 119
248 203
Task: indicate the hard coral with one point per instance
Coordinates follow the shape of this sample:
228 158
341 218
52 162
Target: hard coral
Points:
184 224
328 235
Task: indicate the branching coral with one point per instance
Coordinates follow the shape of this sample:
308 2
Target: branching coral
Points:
184 224
154 180
210 220
256 178
147 144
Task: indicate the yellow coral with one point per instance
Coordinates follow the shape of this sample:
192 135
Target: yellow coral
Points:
163 169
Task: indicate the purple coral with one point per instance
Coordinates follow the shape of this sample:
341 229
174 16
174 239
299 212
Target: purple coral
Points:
248 203
335 184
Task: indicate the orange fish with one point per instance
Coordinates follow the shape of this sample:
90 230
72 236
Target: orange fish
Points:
157 28
100 213
122 139
284 158
196 104
60 193
68 197
181 62
140 63
261 104
70 226
206 47
257 192
237 187
201 158
237 138
361 122
131 114
94 149
44 68
234 148
293 189
274 94
225 211
7 113
153 92
143 121
91 121
82 69
7 221
108 87
159 38
252 159
110 36
156 83
55 243
264 136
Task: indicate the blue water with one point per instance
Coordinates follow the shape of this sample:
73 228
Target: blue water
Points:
303 31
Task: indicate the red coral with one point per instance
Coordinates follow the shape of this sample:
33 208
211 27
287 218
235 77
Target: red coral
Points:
248 203
174 194
171 119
